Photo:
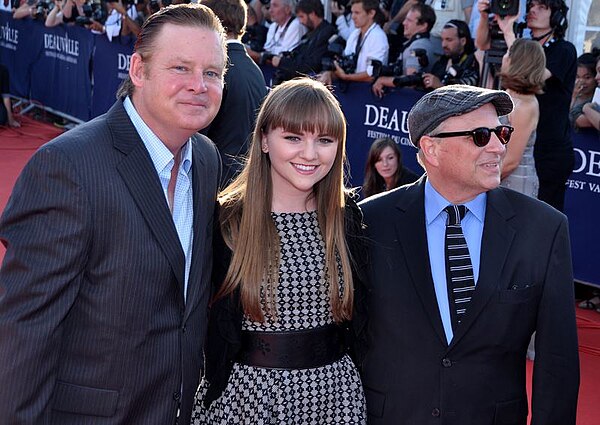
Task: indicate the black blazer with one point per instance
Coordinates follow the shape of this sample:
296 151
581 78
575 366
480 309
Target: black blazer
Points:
94 328
412 376
243 93
226 315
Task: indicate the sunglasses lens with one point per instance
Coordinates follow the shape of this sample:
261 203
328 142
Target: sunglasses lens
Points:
503 132
481 136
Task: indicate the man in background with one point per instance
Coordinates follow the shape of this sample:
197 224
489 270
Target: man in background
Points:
243 93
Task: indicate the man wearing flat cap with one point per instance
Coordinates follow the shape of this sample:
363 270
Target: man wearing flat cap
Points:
463 272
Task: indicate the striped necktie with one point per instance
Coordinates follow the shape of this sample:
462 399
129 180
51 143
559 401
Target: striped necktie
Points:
459 270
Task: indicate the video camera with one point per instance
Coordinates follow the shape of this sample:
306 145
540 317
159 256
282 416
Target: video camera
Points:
504 7
42 10
335 53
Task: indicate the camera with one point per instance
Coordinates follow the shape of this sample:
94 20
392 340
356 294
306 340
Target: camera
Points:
94 12
335 52
504 7
396 70
377 69
255 37
415 79
41 10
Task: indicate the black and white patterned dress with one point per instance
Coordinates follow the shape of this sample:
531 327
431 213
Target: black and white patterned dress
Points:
331 394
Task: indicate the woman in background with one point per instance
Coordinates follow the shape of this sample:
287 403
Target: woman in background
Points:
289 308
384 169
522 77
585 85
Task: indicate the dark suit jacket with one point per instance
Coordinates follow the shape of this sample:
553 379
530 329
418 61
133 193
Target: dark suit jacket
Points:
224 340
412 376
231 129
93 324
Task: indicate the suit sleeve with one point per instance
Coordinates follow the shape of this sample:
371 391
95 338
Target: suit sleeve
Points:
556 366
45 231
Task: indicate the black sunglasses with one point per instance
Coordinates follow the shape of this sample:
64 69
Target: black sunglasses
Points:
482 135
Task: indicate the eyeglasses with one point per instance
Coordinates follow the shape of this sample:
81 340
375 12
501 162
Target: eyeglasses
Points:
482 135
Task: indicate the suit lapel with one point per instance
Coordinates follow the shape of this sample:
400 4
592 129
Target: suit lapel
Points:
497 238
139 174
412 236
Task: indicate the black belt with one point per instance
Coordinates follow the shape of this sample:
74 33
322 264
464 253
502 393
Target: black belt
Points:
301 349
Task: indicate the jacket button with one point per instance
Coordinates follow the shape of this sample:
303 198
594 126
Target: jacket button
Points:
435 412
446 362
183 328
176 396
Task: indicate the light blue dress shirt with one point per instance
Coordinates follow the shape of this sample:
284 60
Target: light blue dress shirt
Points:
163 160
435 224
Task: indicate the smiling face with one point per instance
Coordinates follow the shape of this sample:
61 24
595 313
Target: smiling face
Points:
457 168
387 164
178 90
298 161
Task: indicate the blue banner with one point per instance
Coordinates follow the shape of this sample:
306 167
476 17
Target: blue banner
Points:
61 76
370 118
582 206
111 67
20 46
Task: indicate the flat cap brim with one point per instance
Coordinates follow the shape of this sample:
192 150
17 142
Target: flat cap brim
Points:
450 101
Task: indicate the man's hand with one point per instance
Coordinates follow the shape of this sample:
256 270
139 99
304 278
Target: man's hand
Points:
13 122
379 85
96 26
430 81
275 61
339 72
483 6
325 77
118 6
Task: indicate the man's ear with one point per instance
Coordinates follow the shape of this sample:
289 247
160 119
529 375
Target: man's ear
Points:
429 147
136 70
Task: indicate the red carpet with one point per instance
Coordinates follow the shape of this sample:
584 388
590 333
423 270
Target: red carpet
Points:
17 146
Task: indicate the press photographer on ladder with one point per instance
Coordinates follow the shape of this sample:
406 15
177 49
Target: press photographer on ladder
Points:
553 152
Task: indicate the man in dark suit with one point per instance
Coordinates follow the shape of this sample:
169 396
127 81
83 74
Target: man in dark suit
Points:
105 282
307 57
244 91
463 272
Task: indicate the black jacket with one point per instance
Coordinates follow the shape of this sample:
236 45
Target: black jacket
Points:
306 58
226 315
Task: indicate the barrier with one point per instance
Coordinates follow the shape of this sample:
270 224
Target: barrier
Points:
52 65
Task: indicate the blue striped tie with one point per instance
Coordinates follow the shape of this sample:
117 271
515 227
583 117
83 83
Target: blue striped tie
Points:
459 270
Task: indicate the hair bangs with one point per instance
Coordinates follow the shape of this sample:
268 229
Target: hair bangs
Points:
309 111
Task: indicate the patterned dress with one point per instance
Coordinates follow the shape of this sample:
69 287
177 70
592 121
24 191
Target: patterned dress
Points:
330 394
524 178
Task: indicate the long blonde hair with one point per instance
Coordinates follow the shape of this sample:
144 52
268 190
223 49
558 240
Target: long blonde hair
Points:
299 105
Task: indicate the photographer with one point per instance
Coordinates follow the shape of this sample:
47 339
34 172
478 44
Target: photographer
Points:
306 57
367 41
553 152
121 20
340 9
417 25
34 9
284 33
65 12
458 65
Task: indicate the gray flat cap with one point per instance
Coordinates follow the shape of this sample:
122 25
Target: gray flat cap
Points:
450 101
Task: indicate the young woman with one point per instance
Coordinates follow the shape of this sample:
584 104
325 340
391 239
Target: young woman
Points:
289 307
585 85
522 77
384 169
